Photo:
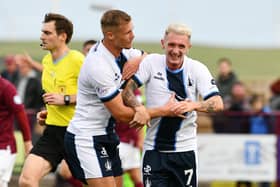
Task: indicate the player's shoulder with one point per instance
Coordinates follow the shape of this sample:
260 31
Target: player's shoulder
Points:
155 57
194 63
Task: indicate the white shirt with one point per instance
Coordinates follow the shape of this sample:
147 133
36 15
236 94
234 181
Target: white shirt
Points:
192 79
99 81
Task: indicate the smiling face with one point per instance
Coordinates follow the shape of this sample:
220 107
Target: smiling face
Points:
176 45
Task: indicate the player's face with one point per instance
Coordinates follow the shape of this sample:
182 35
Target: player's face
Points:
123 36
175 46
50 39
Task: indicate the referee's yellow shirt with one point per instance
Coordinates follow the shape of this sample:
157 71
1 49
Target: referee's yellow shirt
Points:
61 77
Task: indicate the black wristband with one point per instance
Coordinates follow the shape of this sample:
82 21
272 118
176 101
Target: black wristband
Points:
66 99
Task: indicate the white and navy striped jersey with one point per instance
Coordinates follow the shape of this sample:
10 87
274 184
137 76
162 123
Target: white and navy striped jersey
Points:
172 134
99 81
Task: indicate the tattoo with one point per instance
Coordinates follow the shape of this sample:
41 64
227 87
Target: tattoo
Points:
208 106
128 94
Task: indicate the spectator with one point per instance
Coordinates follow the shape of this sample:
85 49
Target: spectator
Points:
30 91
232 120
275 98
10 107
226 77
87 45
11 70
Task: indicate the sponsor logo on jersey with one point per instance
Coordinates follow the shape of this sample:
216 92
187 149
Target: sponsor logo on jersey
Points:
159 76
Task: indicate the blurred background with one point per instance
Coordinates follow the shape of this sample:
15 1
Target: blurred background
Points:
245 32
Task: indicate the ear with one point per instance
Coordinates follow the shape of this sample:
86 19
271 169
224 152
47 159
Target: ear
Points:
110 35
63 36
162 43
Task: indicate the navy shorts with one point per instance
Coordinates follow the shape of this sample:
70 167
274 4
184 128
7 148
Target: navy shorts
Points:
50 146
169 169
93 156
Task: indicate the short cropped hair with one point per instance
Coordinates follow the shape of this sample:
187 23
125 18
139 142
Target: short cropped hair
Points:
178 28
89 42
62 24
113 19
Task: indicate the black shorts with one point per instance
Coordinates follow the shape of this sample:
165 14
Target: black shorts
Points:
169 169
50 146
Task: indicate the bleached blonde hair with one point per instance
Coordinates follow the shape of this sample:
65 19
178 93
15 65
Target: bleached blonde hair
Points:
178 28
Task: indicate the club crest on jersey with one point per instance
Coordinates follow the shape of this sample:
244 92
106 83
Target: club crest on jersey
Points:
159 76
117 76
108 165
213 82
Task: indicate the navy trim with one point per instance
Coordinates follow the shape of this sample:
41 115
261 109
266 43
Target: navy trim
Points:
137 81
111 125
110 97
96 46
211 95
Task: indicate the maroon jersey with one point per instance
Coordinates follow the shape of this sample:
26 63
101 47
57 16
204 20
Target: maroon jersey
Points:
11 107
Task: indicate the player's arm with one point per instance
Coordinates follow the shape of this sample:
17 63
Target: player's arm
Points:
131 66
212 104
15 105
25 129
126 114
165 110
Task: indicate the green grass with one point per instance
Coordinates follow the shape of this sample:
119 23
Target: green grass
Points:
249 64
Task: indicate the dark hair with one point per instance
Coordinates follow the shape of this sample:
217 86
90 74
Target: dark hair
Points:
62 24
113 19
224 59
89 42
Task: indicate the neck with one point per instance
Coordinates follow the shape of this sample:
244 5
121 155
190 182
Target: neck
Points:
59 52
110 46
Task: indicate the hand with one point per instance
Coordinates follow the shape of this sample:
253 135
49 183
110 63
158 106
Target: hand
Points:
141 118
27 147
173 108
184 106
130 68
53 99
41 117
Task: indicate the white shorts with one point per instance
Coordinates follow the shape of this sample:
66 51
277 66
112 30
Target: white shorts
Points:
130 156
7 161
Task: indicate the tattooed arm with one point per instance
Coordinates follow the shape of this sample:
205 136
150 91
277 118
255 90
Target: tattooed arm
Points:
213 104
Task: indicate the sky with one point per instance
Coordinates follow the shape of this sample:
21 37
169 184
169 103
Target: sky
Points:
229 23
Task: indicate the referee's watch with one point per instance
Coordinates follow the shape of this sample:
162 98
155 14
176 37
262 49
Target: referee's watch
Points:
66 99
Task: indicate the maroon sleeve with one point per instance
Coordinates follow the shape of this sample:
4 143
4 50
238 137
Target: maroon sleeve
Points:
24 125
15 105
